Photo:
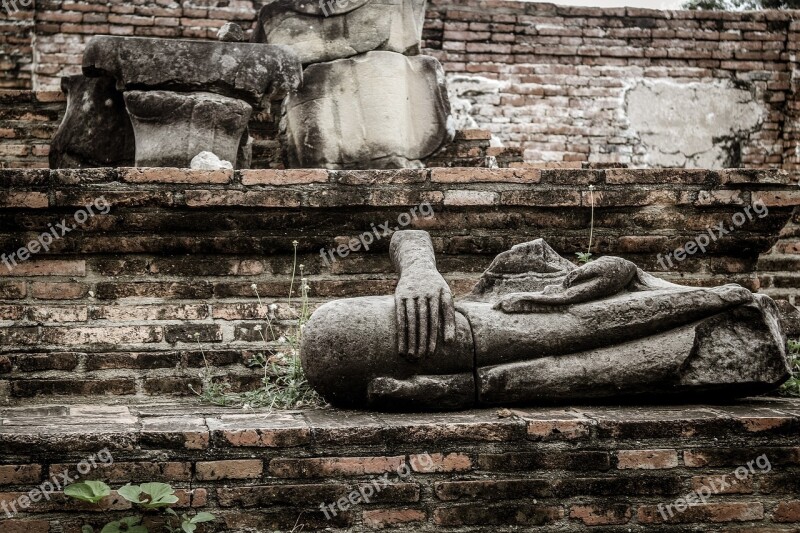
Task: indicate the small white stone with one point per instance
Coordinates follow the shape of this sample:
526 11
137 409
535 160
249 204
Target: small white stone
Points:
209 161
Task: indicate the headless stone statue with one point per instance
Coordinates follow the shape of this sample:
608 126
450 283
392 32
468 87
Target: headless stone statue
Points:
538 329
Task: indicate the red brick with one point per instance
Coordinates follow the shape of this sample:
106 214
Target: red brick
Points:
334 466
25 526
233 469
647 459
175 175
47 267
20 474
284 177
12 290
58 291
382 518
710 512
30 200
602 515
275 198
787 511
133 472
461 198
437 462
777 198
485 175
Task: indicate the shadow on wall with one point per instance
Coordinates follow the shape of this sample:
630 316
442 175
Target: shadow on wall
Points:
692 125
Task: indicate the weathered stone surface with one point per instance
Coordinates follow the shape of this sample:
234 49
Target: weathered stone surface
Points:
338 29
172 128
713 120
248 71
377 110
96 130
539 329
231 33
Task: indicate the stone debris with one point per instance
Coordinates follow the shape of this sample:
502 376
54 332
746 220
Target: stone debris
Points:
209 161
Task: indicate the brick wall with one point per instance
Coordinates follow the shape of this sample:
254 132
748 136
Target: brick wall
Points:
554 81
16 50
114 306
576 470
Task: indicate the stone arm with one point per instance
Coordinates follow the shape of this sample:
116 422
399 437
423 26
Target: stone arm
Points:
599 279
423 300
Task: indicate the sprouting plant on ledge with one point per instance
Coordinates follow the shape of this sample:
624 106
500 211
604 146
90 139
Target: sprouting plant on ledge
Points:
586 257
792 387
283 382
150 498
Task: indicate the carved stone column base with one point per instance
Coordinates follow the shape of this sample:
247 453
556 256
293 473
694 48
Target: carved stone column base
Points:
171 128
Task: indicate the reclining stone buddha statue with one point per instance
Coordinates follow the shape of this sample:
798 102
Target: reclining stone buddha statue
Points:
538 329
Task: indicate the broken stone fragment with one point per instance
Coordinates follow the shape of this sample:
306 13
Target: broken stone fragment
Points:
172 128
247 71
377 110
96 130
209 161
231 33
336 29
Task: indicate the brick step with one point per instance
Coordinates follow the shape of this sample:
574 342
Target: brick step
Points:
565 469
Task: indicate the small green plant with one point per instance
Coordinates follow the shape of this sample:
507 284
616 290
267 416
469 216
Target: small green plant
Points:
149 497
283 383
792 387
586 257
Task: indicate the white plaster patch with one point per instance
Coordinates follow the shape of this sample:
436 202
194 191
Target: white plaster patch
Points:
691 125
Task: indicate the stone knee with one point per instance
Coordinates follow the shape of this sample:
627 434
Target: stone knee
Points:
349 343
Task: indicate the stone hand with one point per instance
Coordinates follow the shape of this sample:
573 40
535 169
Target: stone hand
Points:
602 278
425 308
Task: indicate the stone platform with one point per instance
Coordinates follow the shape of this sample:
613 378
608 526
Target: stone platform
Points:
134 301
577 469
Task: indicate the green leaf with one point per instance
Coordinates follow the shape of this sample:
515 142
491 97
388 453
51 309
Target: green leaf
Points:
113 527
158 495
88 491
203 517
87 529
130 493
188 527
129 524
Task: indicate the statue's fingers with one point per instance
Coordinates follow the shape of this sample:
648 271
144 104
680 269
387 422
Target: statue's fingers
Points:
402 325
411 322
434 311
449 316
422 339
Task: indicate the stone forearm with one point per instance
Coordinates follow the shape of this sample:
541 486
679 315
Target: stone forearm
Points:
412 251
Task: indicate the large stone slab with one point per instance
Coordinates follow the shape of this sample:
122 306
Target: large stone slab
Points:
96 130
249 71
337 29
377 110
172 128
